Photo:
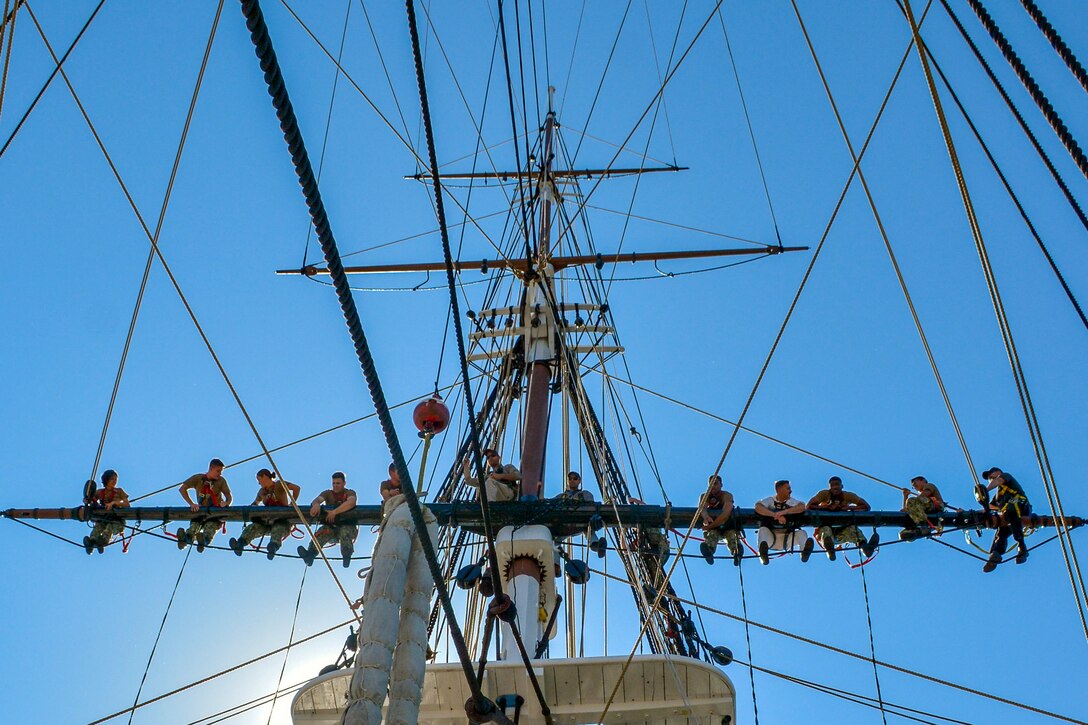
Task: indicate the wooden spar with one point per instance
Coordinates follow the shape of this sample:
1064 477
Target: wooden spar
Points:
558 514
557 174
557 263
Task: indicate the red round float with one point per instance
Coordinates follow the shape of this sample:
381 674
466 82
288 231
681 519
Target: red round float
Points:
431 415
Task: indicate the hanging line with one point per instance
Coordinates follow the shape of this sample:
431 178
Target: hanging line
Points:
8 20
872 646
169 604
1062 49
290 642
1080 594
748 641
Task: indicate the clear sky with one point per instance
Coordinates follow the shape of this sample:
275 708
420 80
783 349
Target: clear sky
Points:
850 380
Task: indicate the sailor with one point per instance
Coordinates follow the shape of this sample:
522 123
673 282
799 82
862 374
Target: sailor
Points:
927 500
780 533
716 509
391 487
338 499
654 539
502 482
212 491
270 493
109 497
833 498
574 491
1011 504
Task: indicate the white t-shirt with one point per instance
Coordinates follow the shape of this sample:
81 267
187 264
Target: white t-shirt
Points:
775 505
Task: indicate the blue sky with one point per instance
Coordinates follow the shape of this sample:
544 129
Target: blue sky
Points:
850 380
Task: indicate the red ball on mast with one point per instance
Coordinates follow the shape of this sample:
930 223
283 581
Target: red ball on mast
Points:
431 416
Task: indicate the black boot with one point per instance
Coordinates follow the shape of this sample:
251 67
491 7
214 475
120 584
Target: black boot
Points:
271 549
236 545
346 550
183 539
88 544
707 552
307 555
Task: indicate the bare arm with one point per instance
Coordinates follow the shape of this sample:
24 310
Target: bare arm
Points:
315 505
348 505
184 489
798 509
764 511
727 511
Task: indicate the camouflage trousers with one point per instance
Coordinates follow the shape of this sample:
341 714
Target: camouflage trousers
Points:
104 531
841 534
344 534
713 536
278 531
208 528
918 509
657 541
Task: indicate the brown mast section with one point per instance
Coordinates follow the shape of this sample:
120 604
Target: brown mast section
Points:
539 349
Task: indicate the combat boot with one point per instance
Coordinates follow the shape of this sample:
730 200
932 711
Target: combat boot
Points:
271 549
346 550
236 545
307 554
707 552
88 544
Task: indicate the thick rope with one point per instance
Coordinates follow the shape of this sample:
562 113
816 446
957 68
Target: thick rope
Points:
162 625
1062 49
748 642
301 161
1036 93
1074 205
1008 187
7 27
1080 594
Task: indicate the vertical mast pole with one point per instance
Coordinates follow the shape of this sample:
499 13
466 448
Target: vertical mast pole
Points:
539 326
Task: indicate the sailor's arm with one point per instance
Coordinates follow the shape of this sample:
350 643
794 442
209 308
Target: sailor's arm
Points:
727 511
763 510
798 509
860 505
348 505
508 473
469 478
228 498
184 490
120 502
315 505
294 489
816 503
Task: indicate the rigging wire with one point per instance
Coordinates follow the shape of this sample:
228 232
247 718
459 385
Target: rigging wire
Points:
748 641
7 26
517 152
52 75
1080 595
872 646
781 331
245 707
221 673
856 655
162 625
600 84
1036 93
751 131
158 225
328 120
1008 186
291 637
1073 204
1055 39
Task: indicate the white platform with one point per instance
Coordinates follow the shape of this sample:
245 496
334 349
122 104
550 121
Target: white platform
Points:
656 690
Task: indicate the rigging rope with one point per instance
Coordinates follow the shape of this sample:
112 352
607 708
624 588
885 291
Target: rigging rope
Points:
52 75
748 641
158 230
7 26
1080 595
301 162
1062 49
290 643
872 644
221 673
1031 86
1008 186
155 646
857 656
1074 205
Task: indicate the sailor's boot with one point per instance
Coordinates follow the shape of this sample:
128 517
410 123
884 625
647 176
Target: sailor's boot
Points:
236 545
183 539
707 553
346 550
806 550
88 544
271 549
307 554
827 541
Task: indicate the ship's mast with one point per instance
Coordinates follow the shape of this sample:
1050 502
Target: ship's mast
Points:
539 326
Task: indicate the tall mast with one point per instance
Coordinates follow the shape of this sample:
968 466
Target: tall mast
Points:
539 326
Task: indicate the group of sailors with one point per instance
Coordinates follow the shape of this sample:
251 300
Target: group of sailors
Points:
779 529
209 490
779 532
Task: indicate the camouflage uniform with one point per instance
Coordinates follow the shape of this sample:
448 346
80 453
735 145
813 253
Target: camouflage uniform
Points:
277 529
104 531
208 494
849 534
657 541
841 534
727 530
345 534
919 507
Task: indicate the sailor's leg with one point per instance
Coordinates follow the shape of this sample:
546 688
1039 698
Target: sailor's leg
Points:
381 622
410 656
850 535
210 529
917 508
346 534
279 531
711 537
1001 542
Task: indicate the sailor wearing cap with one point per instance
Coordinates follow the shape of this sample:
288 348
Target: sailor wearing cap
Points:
1011 504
